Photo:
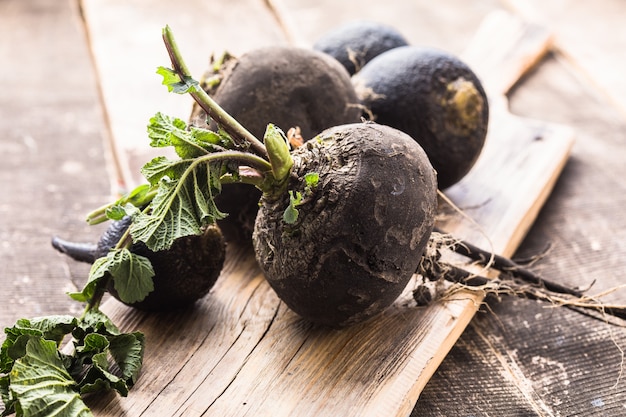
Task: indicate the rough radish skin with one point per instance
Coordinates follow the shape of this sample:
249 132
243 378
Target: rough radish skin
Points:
286 86
435 98
361 231
356 43
184 273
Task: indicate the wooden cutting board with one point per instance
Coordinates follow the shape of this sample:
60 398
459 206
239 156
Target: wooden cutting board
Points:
241 352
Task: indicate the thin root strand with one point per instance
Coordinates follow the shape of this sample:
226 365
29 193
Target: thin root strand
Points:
513 279
508 267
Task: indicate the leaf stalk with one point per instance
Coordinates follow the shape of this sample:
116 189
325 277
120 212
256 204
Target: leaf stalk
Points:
239 133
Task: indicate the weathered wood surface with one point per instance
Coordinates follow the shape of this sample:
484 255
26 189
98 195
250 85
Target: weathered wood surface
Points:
253 356
524 360
583 44
52 145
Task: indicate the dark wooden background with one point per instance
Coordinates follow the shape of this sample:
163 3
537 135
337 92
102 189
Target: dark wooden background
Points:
517 357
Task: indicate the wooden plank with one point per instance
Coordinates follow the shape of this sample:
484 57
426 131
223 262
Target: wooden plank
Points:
53 155
240 351
502 51
584 32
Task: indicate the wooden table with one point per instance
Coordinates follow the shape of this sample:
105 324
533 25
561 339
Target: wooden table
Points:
516 357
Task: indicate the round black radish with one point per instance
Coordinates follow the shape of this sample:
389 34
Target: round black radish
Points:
184 273
435 98
286 86
360 230
356 43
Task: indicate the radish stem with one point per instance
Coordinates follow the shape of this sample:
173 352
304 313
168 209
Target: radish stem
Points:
239 134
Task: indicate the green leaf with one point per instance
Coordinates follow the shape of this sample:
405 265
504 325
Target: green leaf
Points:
132 275
311 179
127 350
51 327
209 139
180 208
41 386
290 215
101 365
93 382
164 131
115 212
138 197
161 126
93 342
96 321
162 167
91 336
174 83
5 395
97 272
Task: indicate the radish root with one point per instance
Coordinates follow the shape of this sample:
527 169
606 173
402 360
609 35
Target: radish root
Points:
511 279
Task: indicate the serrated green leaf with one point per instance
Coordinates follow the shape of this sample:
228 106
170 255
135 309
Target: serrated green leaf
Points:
115 212
132 275
206 210
97 272
175 84
41 386
93 342
189 142
159 128
207 138
172 216
127 350
161 167
311 179
51 327
180 208
96 321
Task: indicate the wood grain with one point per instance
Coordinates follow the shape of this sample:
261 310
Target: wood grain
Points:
242 352
52 147
583 44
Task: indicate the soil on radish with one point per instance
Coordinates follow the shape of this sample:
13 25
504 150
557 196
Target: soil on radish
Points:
361 231
286 86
